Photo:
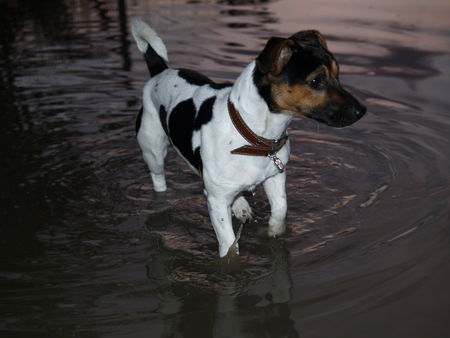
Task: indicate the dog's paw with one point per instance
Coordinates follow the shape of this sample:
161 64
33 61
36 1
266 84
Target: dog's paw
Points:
242 210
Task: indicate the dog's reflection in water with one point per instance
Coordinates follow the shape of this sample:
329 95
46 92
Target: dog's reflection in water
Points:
215 302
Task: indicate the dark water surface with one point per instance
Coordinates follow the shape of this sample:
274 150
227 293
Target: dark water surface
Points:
88 250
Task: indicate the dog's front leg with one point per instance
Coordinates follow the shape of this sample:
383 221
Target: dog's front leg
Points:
220 213
275 188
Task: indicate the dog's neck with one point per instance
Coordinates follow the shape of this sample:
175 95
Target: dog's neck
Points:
254 109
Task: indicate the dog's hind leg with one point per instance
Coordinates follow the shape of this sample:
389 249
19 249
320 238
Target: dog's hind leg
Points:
153 141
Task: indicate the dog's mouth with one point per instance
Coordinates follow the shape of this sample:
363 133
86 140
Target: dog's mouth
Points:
338 117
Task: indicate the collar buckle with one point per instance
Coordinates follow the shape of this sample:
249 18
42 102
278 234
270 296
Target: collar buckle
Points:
276 160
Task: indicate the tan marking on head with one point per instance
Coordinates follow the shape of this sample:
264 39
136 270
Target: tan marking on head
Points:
298 99
321 39
334 97
329 73
319 70
334 68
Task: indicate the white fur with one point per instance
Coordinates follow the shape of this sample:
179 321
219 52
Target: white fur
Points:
145 35
242 210
225 175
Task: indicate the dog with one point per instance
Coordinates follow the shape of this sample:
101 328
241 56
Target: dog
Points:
234 135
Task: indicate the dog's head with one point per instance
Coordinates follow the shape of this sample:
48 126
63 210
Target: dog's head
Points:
299 76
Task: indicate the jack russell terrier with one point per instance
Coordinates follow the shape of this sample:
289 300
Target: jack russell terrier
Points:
234 135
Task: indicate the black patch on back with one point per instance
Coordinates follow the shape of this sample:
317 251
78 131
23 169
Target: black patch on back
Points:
163 119
155 63
205 113
181 128
198 79
139 120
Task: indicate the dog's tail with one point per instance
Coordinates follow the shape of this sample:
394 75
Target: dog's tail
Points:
151 45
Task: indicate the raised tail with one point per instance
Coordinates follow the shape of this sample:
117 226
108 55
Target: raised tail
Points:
151 45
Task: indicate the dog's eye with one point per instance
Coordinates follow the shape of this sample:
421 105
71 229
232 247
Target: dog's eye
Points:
317 82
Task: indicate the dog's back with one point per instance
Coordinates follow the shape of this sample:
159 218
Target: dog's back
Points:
181 99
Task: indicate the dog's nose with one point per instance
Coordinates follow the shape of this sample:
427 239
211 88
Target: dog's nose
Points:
360 110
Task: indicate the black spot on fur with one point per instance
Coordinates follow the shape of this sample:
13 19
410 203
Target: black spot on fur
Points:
302 64
181 127
163 118
198 158
205 113
263 87
139 120
155 63
197 79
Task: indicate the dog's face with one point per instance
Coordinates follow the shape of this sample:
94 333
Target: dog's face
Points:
299 76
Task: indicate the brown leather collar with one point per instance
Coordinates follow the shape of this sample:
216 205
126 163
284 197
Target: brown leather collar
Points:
259 146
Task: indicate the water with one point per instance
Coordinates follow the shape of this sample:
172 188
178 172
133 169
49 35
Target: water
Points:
88 250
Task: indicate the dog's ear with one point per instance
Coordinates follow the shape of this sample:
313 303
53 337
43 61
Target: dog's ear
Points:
275 55
311 38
